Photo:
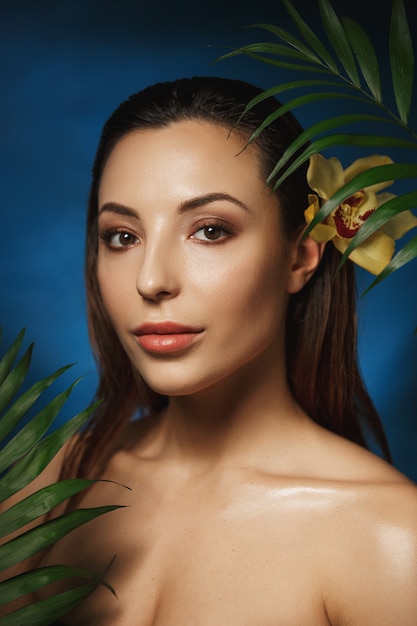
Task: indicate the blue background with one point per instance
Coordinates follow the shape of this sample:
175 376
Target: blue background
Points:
65 67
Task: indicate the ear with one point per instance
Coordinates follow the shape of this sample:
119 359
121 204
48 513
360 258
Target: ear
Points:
306 256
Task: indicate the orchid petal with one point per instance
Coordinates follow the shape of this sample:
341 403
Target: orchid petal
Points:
378 186
322 233
340 244
400 224
367 163
312 209
313 199
382 198
325 176
373 254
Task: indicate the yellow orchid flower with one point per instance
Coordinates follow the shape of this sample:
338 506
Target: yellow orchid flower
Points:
325 177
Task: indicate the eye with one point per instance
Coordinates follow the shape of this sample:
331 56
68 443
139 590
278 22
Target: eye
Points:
211 232
119 239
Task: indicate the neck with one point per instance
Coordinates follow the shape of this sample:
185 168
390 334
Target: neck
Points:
248 416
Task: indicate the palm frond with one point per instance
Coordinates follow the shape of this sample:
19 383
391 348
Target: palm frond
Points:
365 56
25 451
309 37
44 612
351 56
298 102
316 130
33 541
39 503
9 358
248 51
337 37
407 253
344 139
32 432
294 43
14 379
282 87
25 402
29 582
402 59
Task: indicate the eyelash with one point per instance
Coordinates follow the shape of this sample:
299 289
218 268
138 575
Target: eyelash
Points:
218 225
108 235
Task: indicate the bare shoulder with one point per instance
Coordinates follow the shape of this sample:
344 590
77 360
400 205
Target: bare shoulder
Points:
330 456
366 531
371 564
371 551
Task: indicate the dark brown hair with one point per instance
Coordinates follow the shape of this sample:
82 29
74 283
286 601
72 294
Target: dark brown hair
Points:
321 322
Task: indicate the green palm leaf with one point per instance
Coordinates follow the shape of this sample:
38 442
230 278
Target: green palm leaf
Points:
36 579
32 432
318 129
338 39
365 56
9 358
276 49
41 537
281 88
23 457
14 379
355 52
46 611
300 101
294 42
39 456
402 59
311 39
40 503
407 253
246 50
25 402
339 139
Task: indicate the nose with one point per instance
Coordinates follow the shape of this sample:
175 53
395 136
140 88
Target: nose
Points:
158 275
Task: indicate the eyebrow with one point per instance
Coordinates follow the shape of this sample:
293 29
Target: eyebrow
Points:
187 205
195 203
120 209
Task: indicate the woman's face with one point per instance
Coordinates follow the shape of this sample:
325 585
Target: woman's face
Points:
192 266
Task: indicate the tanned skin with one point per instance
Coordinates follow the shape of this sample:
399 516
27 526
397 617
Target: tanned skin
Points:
241 510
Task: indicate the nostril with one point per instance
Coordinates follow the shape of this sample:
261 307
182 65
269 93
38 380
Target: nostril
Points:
149 293
157 278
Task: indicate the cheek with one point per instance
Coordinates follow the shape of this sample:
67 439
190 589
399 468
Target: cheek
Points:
114 287
248 292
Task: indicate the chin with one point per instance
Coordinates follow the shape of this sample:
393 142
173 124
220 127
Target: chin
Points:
183 383
174 380
177 389
186 377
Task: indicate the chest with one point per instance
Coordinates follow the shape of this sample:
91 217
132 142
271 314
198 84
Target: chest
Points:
200 559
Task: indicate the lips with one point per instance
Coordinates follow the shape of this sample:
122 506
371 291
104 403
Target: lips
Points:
165 337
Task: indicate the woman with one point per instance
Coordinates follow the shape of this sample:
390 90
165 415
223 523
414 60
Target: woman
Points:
253 499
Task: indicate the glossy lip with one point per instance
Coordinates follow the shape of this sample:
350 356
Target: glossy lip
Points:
164 328
166 337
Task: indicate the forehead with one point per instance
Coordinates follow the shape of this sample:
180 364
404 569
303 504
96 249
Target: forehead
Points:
183 158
